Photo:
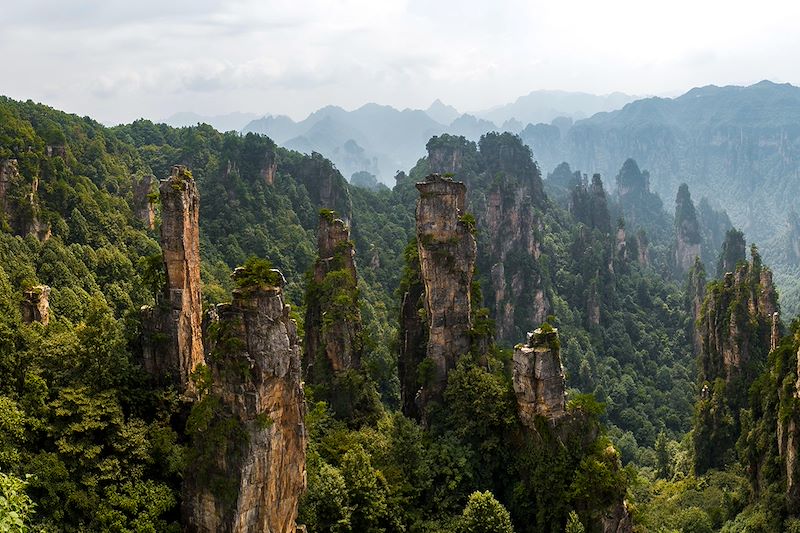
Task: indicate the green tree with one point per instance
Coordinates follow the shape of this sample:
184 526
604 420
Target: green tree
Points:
484 514
16 508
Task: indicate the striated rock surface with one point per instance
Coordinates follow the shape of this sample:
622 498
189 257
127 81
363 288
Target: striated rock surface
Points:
333 319
687 231
19 203
695 294
142 200
736 315
539 377
447 252
250 469
642 246
35 306
172 343
413 336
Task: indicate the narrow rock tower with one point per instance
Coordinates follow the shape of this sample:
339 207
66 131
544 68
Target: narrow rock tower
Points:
333 320
172 343
250 458
447 252
539 377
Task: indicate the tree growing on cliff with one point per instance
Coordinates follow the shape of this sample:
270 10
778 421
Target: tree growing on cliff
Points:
484 514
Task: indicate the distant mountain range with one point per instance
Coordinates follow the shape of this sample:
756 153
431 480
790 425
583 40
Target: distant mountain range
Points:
737 146
228 122
383 140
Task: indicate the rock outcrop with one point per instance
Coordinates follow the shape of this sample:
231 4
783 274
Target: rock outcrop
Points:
172 343
35 306
736 315
249 471
19 202
735 329
333 341
687 231
695 295
447 252
413 335
538 377
142 200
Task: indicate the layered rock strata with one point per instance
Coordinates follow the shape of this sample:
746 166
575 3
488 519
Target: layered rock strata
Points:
333 319
35 306
143 207
447 252
538 377
172 343
253 473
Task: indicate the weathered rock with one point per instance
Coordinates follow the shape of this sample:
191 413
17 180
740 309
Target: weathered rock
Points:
35 306
413 339
9 174
643 248
617 518
736 315
687 231
253 479
447 252
142 200
172 342
269 167
539 377
333 333
695 294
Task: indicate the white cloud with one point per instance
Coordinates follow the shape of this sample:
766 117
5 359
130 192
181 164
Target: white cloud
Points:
120 60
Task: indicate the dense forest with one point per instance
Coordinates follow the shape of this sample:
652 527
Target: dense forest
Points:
676 410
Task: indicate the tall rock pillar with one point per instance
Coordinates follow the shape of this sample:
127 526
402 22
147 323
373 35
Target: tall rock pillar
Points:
447 252
539 377
172 342
249 468
333 319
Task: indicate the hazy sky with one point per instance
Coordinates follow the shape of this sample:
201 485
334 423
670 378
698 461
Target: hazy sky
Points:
119 60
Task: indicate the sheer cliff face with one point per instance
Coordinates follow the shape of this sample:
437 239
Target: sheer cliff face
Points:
687 231
19 204
695 295
539 377
413 337
447 252
736 315
142 204
35 307
253 479
333 319
180 316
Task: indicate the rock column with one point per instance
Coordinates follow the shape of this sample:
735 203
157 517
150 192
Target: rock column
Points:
253 472
539 378
35 306
447 252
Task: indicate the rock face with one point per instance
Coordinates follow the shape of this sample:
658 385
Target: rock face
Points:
447 251
9 174
413 338
333 330
695 294
736 315
252 477
19 202
325 185
735 329
687 231
539 377
172 343
142 204
35 307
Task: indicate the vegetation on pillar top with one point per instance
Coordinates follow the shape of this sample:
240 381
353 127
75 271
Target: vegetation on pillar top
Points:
257 274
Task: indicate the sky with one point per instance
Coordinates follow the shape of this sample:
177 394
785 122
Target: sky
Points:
121 60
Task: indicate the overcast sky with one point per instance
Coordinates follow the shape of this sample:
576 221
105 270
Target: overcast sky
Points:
120 60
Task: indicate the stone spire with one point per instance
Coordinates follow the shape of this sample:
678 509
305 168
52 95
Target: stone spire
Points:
142 200
539 378
447 252
253 479
333 334
179 317
35 307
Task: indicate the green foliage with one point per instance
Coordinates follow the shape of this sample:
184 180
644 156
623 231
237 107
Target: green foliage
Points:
16 508
256 274
484 514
